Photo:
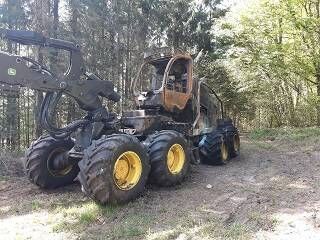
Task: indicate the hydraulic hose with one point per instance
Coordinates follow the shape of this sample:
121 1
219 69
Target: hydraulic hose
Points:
48 107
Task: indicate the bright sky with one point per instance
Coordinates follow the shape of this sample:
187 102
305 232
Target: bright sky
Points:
237 6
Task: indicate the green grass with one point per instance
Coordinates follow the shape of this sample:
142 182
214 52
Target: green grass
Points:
236 231
262 221
128 224
35 205
133 224
297 134
77 217
4 178
205 229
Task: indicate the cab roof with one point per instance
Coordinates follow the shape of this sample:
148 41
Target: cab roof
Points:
162 55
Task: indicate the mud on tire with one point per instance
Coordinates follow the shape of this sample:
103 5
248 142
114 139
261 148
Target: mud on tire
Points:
214 149
97 169
164 173
38 163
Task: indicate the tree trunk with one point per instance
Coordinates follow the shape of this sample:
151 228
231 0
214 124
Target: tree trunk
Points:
38 102
75 35
12 108
41 24
54 55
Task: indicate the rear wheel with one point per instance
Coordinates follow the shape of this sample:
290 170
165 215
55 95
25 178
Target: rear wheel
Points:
170 158
214 149
114 169
232 137
234 143
40 163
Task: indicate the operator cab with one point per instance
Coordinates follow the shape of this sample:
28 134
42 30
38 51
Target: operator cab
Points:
164 81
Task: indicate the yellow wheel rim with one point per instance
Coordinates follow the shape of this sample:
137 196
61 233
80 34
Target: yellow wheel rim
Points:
224 152
65 171
176 158
127 170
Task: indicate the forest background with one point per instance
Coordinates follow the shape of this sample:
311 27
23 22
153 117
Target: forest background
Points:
262 57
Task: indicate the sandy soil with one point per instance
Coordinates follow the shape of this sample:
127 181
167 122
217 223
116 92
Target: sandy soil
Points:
272 191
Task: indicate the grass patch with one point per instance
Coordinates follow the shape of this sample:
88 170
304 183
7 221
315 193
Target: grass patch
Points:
132 225
35 205
262 221
4 178
297 134
210 229
74 218
237 231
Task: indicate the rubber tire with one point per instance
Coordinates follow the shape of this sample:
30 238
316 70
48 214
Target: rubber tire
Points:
230 131
96 169
36 160
210 148
224 122
158 147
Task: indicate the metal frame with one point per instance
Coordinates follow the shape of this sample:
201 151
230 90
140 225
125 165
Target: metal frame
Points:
18 71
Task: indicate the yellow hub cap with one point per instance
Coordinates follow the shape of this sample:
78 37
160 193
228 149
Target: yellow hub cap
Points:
176 158
127 170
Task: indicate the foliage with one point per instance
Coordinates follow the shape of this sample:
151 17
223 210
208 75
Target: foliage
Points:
299 134
114 36
276 55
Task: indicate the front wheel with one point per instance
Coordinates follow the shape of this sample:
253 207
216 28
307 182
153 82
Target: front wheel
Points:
40 163
114 169
170 158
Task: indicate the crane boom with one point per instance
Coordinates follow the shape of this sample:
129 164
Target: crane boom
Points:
86 88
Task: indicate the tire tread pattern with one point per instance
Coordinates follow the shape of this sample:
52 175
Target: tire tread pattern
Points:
157 150
35 163
210 148
95 173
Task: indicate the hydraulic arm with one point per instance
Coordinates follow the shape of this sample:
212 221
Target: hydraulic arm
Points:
23 71
86 88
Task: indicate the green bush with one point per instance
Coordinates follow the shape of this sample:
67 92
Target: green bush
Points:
284 133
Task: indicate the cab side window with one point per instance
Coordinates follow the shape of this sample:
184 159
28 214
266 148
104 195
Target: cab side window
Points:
178 76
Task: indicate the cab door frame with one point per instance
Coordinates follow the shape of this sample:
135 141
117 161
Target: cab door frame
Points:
172 99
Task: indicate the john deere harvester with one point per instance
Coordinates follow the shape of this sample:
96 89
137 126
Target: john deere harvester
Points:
178 120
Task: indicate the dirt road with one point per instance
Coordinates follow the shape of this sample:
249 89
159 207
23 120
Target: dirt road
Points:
272 191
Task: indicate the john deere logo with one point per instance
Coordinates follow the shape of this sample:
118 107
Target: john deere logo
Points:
12 72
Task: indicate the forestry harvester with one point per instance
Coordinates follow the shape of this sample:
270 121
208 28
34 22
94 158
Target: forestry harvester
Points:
178 120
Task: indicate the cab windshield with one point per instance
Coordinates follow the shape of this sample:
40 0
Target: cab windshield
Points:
151 75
